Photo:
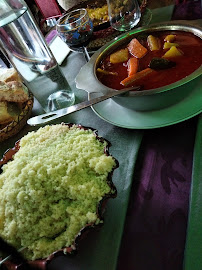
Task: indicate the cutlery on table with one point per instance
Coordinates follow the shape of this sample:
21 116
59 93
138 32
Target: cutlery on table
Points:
47 117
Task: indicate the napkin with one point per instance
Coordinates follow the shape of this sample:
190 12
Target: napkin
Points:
59 49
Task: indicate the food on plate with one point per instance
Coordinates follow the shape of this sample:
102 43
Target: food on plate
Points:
154 43
97 10
107 72
13 91
8 112
173 52
132 66
9 75
13 94
97 14
136 48
137 76
119 56
170 38
155 59
168 45
52 188
161 63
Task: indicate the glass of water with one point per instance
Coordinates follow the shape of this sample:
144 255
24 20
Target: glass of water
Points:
123 14
24 45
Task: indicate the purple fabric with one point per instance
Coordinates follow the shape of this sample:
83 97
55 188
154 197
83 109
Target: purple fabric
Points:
155 229
190 10
51 36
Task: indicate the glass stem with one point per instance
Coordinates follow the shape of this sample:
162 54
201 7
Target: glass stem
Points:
86 54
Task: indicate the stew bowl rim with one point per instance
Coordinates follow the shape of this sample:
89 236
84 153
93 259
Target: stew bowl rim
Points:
89 69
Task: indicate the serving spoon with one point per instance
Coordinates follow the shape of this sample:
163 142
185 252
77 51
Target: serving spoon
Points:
47 117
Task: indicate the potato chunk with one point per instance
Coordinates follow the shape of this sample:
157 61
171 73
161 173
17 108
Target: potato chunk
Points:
168 45
170 38
119 56
173 52
153 43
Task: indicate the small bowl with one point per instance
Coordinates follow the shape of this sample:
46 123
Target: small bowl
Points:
144 100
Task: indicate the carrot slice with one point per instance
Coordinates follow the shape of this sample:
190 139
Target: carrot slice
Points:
132 66
136 49
135 77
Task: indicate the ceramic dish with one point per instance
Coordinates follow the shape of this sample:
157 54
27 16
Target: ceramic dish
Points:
97 6
103 32
101 37
146 99
120 116
94 6
43 263
16 125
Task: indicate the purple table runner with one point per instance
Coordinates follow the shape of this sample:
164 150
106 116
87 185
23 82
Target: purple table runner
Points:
187 10
156 224
155 229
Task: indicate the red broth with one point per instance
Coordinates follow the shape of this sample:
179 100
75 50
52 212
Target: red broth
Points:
191 60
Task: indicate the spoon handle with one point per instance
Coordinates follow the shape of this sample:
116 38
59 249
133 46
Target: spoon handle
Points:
47 117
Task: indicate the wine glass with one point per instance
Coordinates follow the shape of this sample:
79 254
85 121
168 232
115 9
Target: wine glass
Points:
123 14
76 29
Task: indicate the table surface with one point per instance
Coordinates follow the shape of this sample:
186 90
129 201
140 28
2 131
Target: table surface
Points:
163 164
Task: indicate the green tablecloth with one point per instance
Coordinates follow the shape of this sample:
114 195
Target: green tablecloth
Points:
125 145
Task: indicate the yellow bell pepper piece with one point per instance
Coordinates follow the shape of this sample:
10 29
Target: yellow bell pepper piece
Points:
119 56
106 72
153 43
168 45
170 38
172 52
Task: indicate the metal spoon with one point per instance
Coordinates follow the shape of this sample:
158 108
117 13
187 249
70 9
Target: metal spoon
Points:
47 117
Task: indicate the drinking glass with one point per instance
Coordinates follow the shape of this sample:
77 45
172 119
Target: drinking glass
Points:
76 28
24 45
123 14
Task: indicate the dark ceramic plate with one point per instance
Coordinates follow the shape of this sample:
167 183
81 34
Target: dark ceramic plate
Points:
95 4
15 263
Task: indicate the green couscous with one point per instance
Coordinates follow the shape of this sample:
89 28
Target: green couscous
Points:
52 187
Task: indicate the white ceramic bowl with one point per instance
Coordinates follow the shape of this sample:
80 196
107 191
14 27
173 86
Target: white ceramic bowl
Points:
142 100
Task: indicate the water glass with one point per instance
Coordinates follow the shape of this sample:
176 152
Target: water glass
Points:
24 45
123 14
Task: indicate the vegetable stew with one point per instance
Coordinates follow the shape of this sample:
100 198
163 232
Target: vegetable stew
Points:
152 60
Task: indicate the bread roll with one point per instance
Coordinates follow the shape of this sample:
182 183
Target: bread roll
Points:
8 112
9 75
13 91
